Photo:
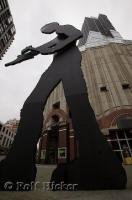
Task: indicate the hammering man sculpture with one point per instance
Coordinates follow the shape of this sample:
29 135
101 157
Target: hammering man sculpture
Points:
97 166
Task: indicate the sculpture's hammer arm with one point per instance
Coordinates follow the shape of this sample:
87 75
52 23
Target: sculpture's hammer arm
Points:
25 55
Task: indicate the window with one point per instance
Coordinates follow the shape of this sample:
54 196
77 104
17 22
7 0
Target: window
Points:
125 86
43 154
13 30
129 134
4 139
115 145
103 89
120 134
6 38
0 7
130 144
10 143
1 29
10 19
7 142
112 135
62 152
55 119
3 129
121 142
124 123
2 44
70 116
1 136
4 3
56 105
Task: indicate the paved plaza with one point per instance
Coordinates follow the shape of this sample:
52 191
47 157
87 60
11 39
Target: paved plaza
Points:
42 193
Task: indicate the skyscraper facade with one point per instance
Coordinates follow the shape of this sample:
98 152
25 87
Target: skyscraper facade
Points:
107 70
7 28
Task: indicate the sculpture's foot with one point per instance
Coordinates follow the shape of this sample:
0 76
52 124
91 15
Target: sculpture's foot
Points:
74 178
17 177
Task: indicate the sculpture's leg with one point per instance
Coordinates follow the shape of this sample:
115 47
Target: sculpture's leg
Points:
98 167
19 166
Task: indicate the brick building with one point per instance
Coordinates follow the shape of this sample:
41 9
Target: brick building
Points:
6 139
107 69
7 28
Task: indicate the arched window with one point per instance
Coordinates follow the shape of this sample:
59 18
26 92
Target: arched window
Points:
124 122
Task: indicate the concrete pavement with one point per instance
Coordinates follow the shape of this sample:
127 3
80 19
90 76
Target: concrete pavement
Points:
40 193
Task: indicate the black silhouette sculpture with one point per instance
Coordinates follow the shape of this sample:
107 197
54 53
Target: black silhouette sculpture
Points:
97 166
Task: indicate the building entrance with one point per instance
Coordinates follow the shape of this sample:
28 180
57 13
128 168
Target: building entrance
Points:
51 156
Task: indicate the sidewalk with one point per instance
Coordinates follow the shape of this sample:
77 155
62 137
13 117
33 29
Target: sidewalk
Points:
43 175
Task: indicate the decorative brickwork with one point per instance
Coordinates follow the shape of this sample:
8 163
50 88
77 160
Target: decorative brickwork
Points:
111 119
59 112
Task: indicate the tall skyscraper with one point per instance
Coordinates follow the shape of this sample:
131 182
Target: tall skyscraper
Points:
98 31
107 70
7 28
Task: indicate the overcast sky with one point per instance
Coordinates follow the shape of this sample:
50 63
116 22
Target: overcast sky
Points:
17 82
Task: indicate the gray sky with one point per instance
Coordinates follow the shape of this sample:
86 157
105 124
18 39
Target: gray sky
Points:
17 82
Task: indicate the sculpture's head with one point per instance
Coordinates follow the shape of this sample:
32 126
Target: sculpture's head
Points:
66 35
50 28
